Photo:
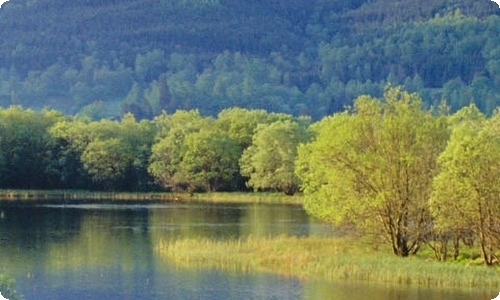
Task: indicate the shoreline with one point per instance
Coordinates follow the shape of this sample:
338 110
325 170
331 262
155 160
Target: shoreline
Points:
216 197
305 257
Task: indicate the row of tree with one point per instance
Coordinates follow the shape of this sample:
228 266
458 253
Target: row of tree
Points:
392 168
408 175
181 151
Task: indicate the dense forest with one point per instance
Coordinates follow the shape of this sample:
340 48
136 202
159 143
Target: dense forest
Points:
103 59
184 151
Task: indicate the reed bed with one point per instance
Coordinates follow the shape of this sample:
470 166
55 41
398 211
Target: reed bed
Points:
246 197
217 197
324 258
13 195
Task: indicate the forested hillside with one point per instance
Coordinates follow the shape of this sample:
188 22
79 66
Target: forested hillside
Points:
109 57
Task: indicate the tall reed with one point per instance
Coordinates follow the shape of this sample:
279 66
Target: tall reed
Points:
324 258
217 197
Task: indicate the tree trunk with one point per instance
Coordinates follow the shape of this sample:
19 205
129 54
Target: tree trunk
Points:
400 245
456 247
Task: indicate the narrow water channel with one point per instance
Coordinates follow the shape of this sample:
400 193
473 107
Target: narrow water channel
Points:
106 251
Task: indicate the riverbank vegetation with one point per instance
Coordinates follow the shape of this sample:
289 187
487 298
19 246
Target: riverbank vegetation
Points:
374 166
390 167
149 197
328 258
408 175
184 151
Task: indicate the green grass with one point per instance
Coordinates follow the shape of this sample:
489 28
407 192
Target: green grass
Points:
246 197
80 195
325 258
217 197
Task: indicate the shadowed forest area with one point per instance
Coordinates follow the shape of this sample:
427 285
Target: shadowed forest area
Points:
102 59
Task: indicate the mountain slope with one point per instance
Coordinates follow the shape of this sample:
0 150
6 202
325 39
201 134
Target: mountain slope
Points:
300 57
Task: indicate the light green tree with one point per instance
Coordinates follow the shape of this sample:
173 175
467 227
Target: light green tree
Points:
167 151
210 160
241 123
105 154
373 167
465 195
269 162
70 138
106 161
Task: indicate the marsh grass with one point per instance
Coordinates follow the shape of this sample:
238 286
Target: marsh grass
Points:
80 195
246 197
324 258
217 197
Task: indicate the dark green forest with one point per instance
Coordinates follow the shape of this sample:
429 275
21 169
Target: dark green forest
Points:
184 151
103 59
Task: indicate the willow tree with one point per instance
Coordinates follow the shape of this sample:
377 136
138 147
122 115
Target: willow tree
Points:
116 153
269 162
466 191
210 160
167 151
373 166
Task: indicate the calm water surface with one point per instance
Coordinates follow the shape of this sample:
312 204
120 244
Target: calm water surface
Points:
107 251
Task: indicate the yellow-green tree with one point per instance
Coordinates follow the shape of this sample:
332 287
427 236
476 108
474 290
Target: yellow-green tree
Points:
269 162
466 191
167 151
373 166
106 161
241 123
210 160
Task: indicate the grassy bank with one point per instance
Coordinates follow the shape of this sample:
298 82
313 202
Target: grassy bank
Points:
246 197
80 195
325 258
218 197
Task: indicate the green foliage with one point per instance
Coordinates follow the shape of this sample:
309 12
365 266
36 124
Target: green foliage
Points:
466 190
270 161
241 124
192 152
104 154
374 166
7 288
106 161
94 111
118 152
25 146
295 57
167 151
210 160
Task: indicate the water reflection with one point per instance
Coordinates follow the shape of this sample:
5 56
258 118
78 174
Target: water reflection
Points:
96 251
361 290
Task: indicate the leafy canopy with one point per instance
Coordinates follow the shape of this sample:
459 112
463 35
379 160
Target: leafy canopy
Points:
373 166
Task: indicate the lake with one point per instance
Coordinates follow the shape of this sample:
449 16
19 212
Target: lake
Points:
107 251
